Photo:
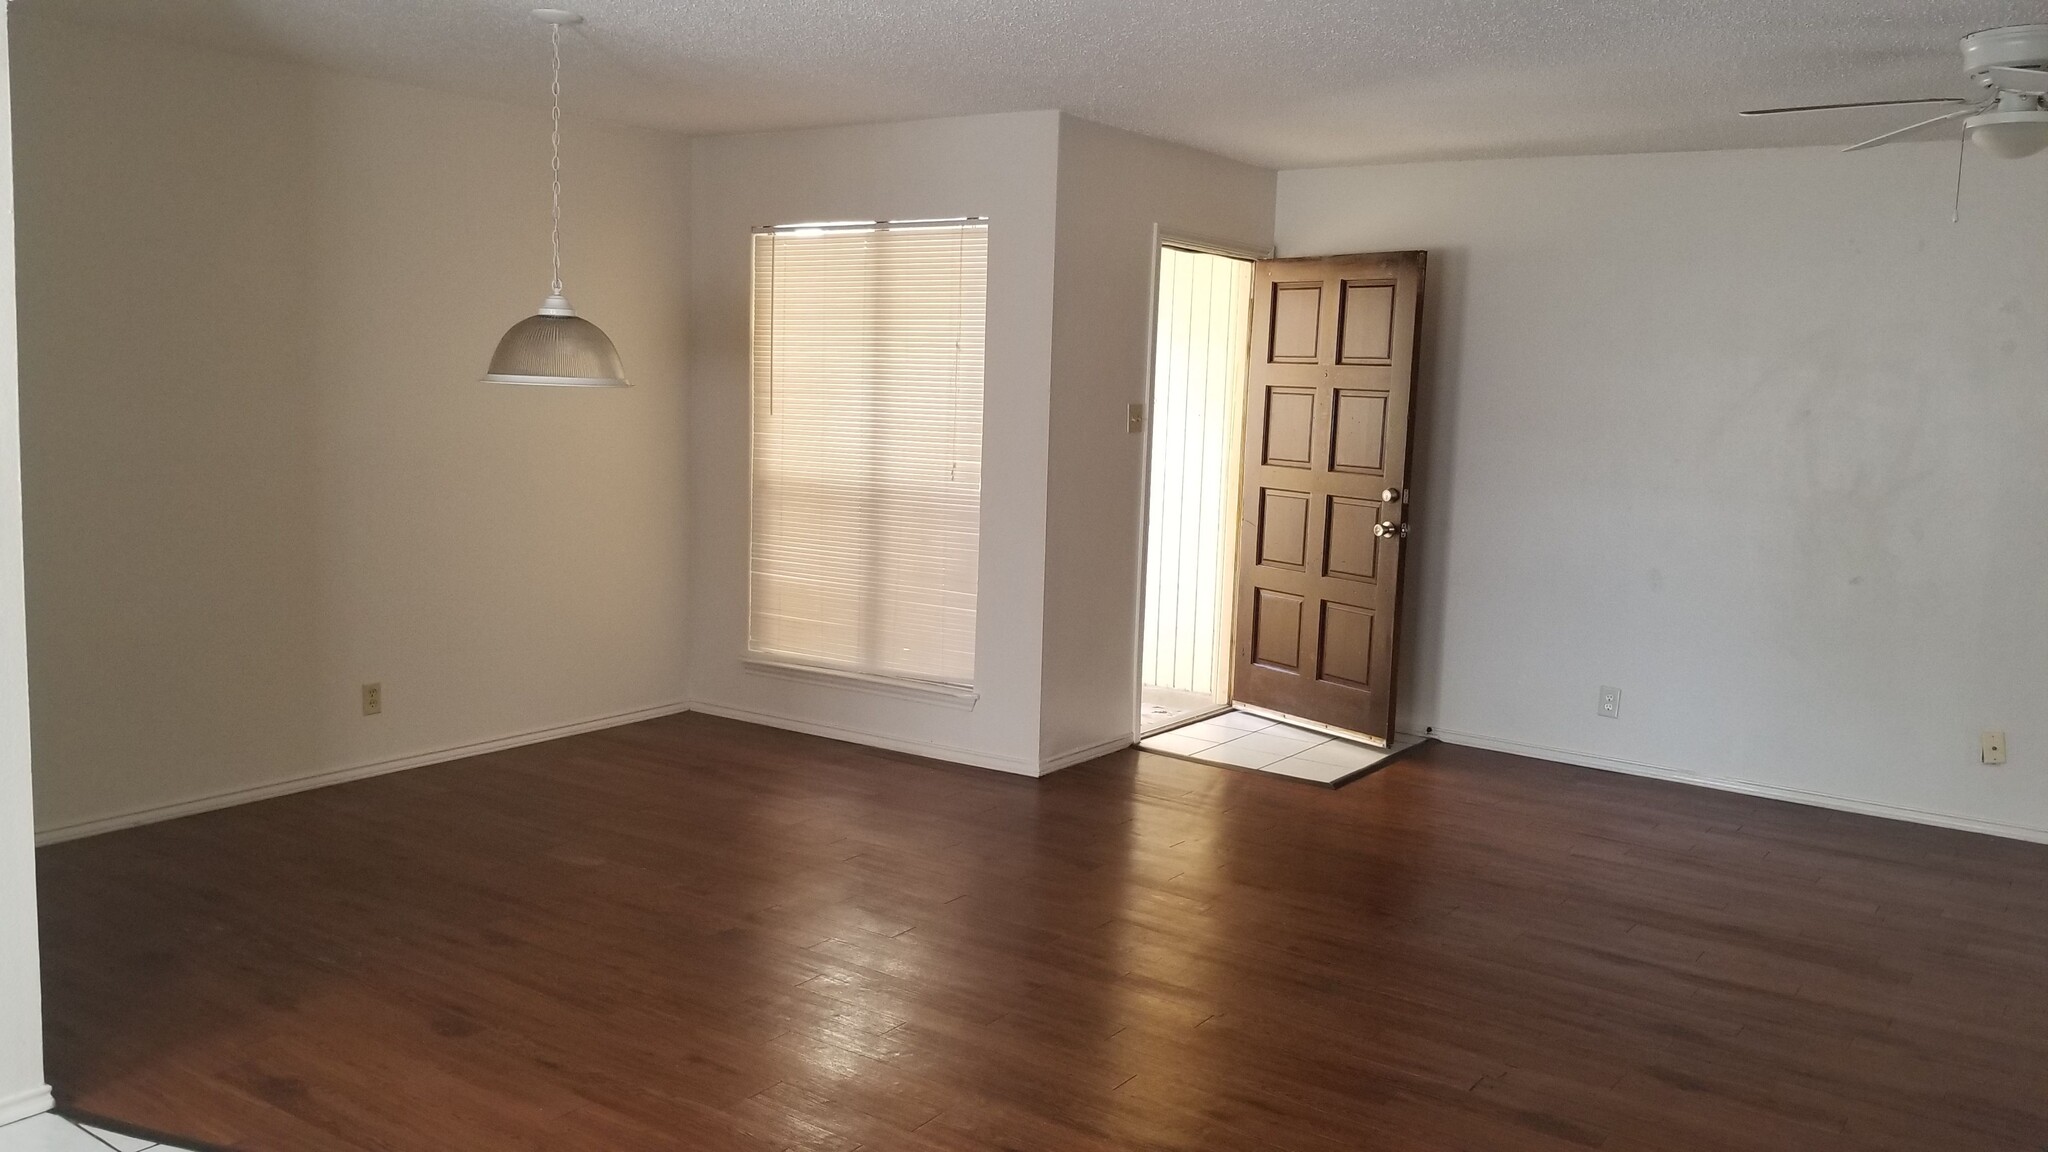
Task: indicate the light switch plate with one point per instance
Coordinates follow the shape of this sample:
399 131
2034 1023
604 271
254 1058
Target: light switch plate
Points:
1137 418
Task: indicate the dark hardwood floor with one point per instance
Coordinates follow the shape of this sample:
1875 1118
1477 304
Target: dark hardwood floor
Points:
697 934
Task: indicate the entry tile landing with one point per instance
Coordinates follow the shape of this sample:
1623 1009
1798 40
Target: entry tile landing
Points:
1238 739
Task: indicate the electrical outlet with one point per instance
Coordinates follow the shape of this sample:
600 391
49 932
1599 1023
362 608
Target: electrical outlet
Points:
1992 745
1610 702
1137 418
373 699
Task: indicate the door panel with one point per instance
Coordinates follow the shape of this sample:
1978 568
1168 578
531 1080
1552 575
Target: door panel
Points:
1358 434
1297 322
1283 529
1346 645
1349 548
1276 630
1368 323
1290 426
1328 415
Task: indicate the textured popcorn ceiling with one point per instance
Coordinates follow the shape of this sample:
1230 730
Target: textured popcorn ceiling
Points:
1285 83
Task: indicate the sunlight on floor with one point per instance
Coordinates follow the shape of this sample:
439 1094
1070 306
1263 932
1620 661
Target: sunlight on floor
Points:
1171 707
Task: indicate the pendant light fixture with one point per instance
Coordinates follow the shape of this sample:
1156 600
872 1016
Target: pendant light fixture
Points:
556 346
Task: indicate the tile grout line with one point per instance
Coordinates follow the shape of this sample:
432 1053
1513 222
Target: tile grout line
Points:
96 1137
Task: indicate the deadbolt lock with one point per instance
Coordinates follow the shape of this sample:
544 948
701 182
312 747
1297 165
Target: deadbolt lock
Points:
1391 496
1386 529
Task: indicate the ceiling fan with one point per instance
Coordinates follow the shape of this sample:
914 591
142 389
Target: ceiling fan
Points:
2008 119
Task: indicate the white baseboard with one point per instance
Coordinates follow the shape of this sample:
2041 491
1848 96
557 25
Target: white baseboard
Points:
1012 764
233 796
24 1104
1745 787
1053 764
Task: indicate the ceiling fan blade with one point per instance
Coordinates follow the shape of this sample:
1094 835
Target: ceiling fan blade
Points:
1857 104
2033 81
1895 133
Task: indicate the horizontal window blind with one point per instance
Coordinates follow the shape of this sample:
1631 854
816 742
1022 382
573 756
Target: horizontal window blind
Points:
867 381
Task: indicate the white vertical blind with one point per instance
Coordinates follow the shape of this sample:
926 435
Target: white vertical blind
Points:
1199 369
867 375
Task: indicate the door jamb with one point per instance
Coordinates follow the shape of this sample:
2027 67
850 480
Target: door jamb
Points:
1163 237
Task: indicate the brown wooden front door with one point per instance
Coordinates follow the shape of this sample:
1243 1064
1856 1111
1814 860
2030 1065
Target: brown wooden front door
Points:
1324 511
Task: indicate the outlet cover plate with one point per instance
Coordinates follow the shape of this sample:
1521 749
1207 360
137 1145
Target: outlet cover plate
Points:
1992 747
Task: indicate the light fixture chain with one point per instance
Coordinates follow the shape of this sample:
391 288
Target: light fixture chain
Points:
1955 215
555 157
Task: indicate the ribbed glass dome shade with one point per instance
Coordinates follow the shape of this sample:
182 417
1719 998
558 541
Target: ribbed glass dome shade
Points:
556 347
563 350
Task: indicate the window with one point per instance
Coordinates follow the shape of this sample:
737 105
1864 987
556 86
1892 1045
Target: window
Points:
867 369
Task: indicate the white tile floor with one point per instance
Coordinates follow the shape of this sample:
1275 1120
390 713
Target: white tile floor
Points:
50 1132
1242 740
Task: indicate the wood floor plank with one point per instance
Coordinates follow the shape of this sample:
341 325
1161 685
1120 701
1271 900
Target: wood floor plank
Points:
695 933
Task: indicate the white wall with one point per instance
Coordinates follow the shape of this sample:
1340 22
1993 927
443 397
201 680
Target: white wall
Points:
1756 437
260 469
1116 190
22 1091
1002 167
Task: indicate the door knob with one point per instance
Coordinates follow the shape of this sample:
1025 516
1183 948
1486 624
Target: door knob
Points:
1387 529
1391 496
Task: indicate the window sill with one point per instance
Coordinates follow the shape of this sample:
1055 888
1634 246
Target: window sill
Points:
942 694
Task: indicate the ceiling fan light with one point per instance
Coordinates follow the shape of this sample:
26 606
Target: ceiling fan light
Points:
557 348
2009 135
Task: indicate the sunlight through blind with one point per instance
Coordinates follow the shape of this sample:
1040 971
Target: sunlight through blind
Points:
867 372
1199 368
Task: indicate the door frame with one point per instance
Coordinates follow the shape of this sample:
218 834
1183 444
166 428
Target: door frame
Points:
1163 237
